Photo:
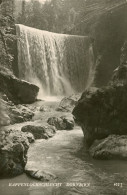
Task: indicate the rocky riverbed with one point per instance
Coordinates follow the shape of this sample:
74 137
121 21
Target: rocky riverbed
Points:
65 159
15 139
65 156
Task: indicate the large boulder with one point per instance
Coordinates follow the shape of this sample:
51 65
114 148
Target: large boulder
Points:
67 104
112 147
18 91
57 122
69 121
102 112
13 152
41 131
62 123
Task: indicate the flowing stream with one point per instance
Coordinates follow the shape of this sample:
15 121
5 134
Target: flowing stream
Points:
66 156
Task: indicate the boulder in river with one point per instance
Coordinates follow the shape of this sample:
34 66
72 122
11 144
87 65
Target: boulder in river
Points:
112 147
57 122
68 103
13 152
43 109
29 136
69 121
62 123
102 112
40 175
41 131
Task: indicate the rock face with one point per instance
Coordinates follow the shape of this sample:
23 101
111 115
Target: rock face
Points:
8 42
120 76
102 112
62 123
57 122
40 175
113 147
69 121
18 91
14 113
4 118
13 144
68 103
96 24
19 114
40 132
13 152
102 115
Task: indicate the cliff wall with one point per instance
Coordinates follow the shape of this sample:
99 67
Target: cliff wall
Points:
105 22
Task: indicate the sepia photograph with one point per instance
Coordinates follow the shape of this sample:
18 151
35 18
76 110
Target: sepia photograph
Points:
63 97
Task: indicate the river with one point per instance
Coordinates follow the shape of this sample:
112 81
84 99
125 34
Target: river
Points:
66 156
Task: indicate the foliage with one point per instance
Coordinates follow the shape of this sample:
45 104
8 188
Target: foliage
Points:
61 15
54 15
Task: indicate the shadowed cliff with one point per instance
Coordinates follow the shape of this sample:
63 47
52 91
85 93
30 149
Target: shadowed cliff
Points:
105 22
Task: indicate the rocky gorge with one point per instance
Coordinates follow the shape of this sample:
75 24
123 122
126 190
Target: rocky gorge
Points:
102 113
43 137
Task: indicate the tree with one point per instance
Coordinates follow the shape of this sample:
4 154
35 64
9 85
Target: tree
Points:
54 15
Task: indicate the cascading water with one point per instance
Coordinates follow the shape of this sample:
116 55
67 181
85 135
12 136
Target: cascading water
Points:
59 64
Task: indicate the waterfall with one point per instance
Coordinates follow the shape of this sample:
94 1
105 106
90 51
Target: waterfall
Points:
59 64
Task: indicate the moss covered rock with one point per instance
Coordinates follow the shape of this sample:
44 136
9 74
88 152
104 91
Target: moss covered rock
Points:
13 152
112 147
18 91
102 112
